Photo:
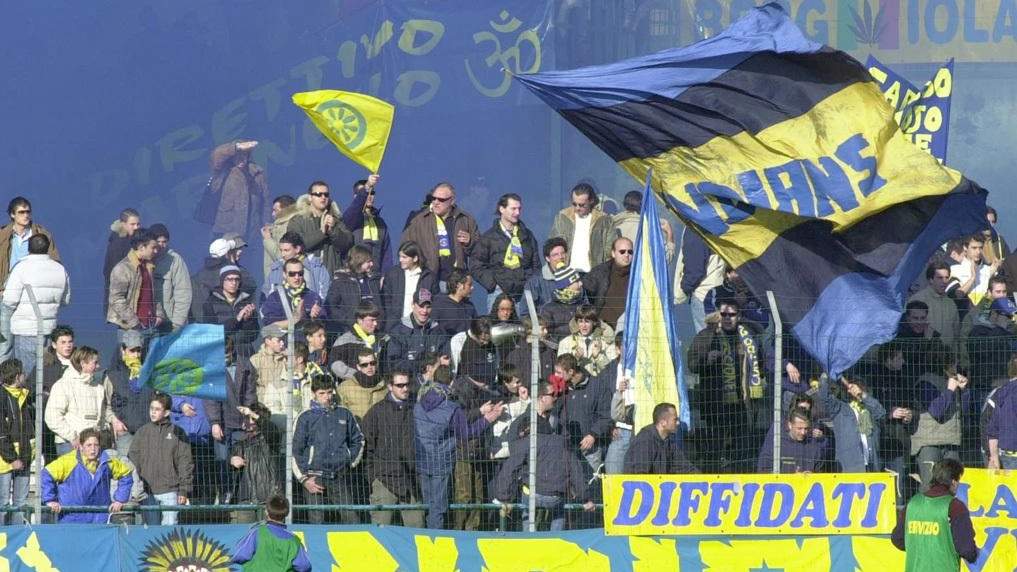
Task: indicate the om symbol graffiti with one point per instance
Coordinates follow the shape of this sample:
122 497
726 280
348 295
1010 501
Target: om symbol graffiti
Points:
178 376
508 61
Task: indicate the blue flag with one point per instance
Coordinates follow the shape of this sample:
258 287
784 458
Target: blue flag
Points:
190 361
784 156
651 358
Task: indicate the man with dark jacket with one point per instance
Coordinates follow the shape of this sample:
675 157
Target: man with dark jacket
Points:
233 309
226 420
162 455
653 452
585 410
319 221
608 283
388 452
800 452
414 336
439 422
327 443
129 398
472 460
506 255
454 312
446 234
17 428
561 474
221 252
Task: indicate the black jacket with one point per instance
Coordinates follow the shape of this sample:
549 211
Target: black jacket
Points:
207 279
241 389
218 311
393 289
408 341
130 406
648 454
595 283
17 427
452 317
345 294
560 472
488 260
388 450
586 409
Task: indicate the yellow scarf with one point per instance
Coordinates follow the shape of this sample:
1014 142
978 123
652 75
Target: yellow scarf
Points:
133 366
444 242
514 251
371 227
368 338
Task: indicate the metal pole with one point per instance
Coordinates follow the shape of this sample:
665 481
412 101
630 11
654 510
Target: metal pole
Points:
778 358
291 365
531 521
40 336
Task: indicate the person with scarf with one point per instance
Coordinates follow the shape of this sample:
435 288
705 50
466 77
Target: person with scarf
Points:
567 297
129 398
356 282
364 333
731 395
506 255
543 284
316 276
857 418
366 387
446 234
303 302
233 309
368 227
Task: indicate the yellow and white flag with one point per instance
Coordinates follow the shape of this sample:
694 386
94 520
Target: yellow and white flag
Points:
357 124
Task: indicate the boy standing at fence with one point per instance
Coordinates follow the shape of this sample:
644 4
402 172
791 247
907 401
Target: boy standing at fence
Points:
161 452
270 546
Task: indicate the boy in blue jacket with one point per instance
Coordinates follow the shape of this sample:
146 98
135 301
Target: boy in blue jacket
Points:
82 478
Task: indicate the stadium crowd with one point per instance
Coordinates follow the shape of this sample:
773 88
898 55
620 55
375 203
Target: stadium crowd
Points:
404 392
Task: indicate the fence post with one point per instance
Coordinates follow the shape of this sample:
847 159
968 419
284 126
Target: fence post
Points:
531 520
291 365
778 358
39 342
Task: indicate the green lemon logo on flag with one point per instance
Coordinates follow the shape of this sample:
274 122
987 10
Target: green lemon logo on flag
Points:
179 376
345 122
357 124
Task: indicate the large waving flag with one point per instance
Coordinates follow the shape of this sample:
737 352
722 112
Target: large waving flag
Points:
190 361
357 124
651 356
784 155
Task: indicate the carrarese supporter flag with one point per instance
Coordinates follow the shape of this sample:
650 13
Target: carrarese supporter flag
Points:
784 155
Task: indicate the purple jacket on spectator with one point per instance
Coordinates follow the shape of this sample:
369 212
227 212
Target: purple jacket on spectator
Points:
1003 421
795 456
197 428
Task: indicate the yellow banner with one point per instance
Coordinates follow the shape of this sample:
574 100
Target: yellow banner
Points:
801 504
357 124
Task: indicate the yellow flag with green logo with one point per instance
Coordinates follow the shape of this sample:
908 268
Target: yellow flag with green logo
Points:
357 124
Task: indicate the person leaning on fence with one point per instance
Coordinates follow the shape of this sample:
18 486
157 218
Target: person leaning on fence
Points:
254 457
934 529
439 422
83 478
270 546
17 431
800 450
327 443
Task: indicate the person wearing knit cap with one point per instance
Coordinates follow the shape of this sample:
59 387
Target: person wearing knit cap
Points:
172 278
567 295
221 251
234 309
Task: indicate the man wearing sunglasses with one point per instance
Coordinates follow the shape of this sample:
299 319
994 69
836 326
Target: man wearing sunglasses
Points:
587 229
320 223
305 303
445 233
389 456
608 283
14 237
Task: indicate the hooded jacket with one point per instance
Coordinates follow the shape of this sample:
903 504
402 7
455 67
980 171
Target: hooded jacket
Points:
331 247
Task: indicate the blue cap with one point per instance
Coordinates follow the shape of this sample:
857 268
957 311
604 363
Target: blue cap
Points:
1004 305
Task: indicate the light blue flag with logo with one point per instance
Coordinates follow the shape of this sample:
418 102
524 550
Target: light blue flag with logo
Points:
651 357
189 361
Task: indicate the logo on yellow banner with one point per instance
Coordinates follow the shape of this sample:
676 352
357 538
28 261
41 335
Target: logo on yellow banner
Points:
749 504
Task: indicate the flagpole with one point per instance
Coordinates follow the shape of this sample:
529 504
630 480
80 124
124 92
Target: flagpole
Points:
291 365
778 358
531 521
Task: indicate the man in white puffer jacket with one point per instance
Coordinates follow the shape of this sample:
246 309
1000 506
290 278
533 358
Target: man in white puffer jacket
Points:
52 289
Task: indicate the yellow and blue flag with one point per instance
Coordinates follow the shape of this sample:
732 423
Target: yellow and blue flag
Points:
190 361
357 124
923 114
784 156
650 355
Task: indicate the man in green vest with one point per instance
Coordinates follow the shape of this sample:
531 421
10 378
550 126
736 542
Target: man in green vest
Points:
934 529
270 546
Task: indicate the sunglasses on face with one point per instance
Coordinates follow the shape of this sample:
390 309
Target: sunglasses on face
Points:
625 251
400 385
319 195
442 199
580 205
23 211
729 314
367 364
294 273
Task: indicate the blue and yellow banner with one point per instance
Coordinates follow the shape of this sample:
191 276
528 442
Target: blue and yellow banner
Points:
650 357
190 361
796 504
784 156
923 114
357 124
